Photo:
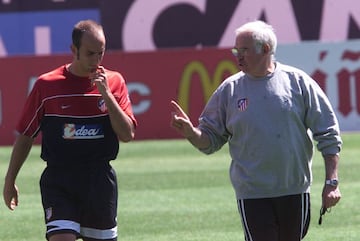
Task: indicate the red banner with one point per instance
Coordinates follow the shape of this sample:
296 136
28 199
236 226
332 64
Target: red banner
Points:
188 76
153 79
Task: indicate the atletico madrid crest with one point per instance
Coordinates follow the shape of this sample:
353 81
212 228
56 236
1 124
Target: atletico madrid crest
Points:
243 104
101 105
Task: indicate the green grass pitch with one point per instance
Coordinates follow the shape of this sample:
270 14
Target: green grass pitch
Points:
168 191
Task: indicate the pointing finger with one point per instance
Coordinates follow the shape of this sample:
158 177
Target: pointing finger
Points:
177 107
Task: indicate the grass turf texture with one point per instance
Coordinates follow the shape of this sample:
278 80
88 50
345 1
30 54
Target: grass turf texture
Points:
170 191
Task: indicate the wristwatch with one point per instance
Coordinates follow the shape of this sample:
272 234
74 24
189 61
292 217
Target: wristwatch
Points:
332 182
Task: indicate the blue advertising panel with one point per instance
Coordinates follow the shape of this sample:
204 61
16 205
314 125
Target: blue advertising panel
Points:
136 25
20 34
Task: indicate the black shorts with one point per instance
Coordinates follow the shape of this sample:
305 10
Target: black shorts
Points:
82 201
278 219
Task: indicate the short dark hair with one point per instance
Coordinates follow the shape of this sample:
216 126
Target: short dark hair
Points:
81 27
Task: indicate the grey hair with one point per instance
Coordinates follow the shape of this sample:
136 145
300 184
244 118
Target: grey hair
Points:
262 33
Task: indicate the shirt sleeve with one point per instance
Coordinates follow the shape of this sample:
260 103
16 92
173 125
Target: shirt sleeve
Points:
212 121
122 95
32 113
321 119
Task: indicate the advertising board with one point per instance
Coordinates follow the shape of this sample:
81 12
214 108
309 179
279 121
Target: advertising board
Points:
189 76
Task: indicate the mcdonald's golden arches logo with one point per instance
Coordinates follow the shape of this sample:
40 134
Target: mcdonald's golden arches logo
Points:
208 84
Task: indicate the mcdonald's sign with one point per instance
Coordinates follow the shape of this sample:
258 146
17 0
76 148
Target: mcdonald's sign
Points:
208 82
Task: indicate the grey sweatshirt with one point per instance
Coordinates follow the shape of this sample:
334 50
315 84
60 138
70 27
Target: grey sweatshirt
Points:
269 124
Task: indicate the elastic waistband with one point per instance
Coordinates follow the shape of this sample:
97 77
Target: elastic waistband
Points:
85 165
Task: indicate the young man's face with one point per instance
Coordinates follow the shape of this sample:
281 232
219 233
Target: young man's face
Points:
90 54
